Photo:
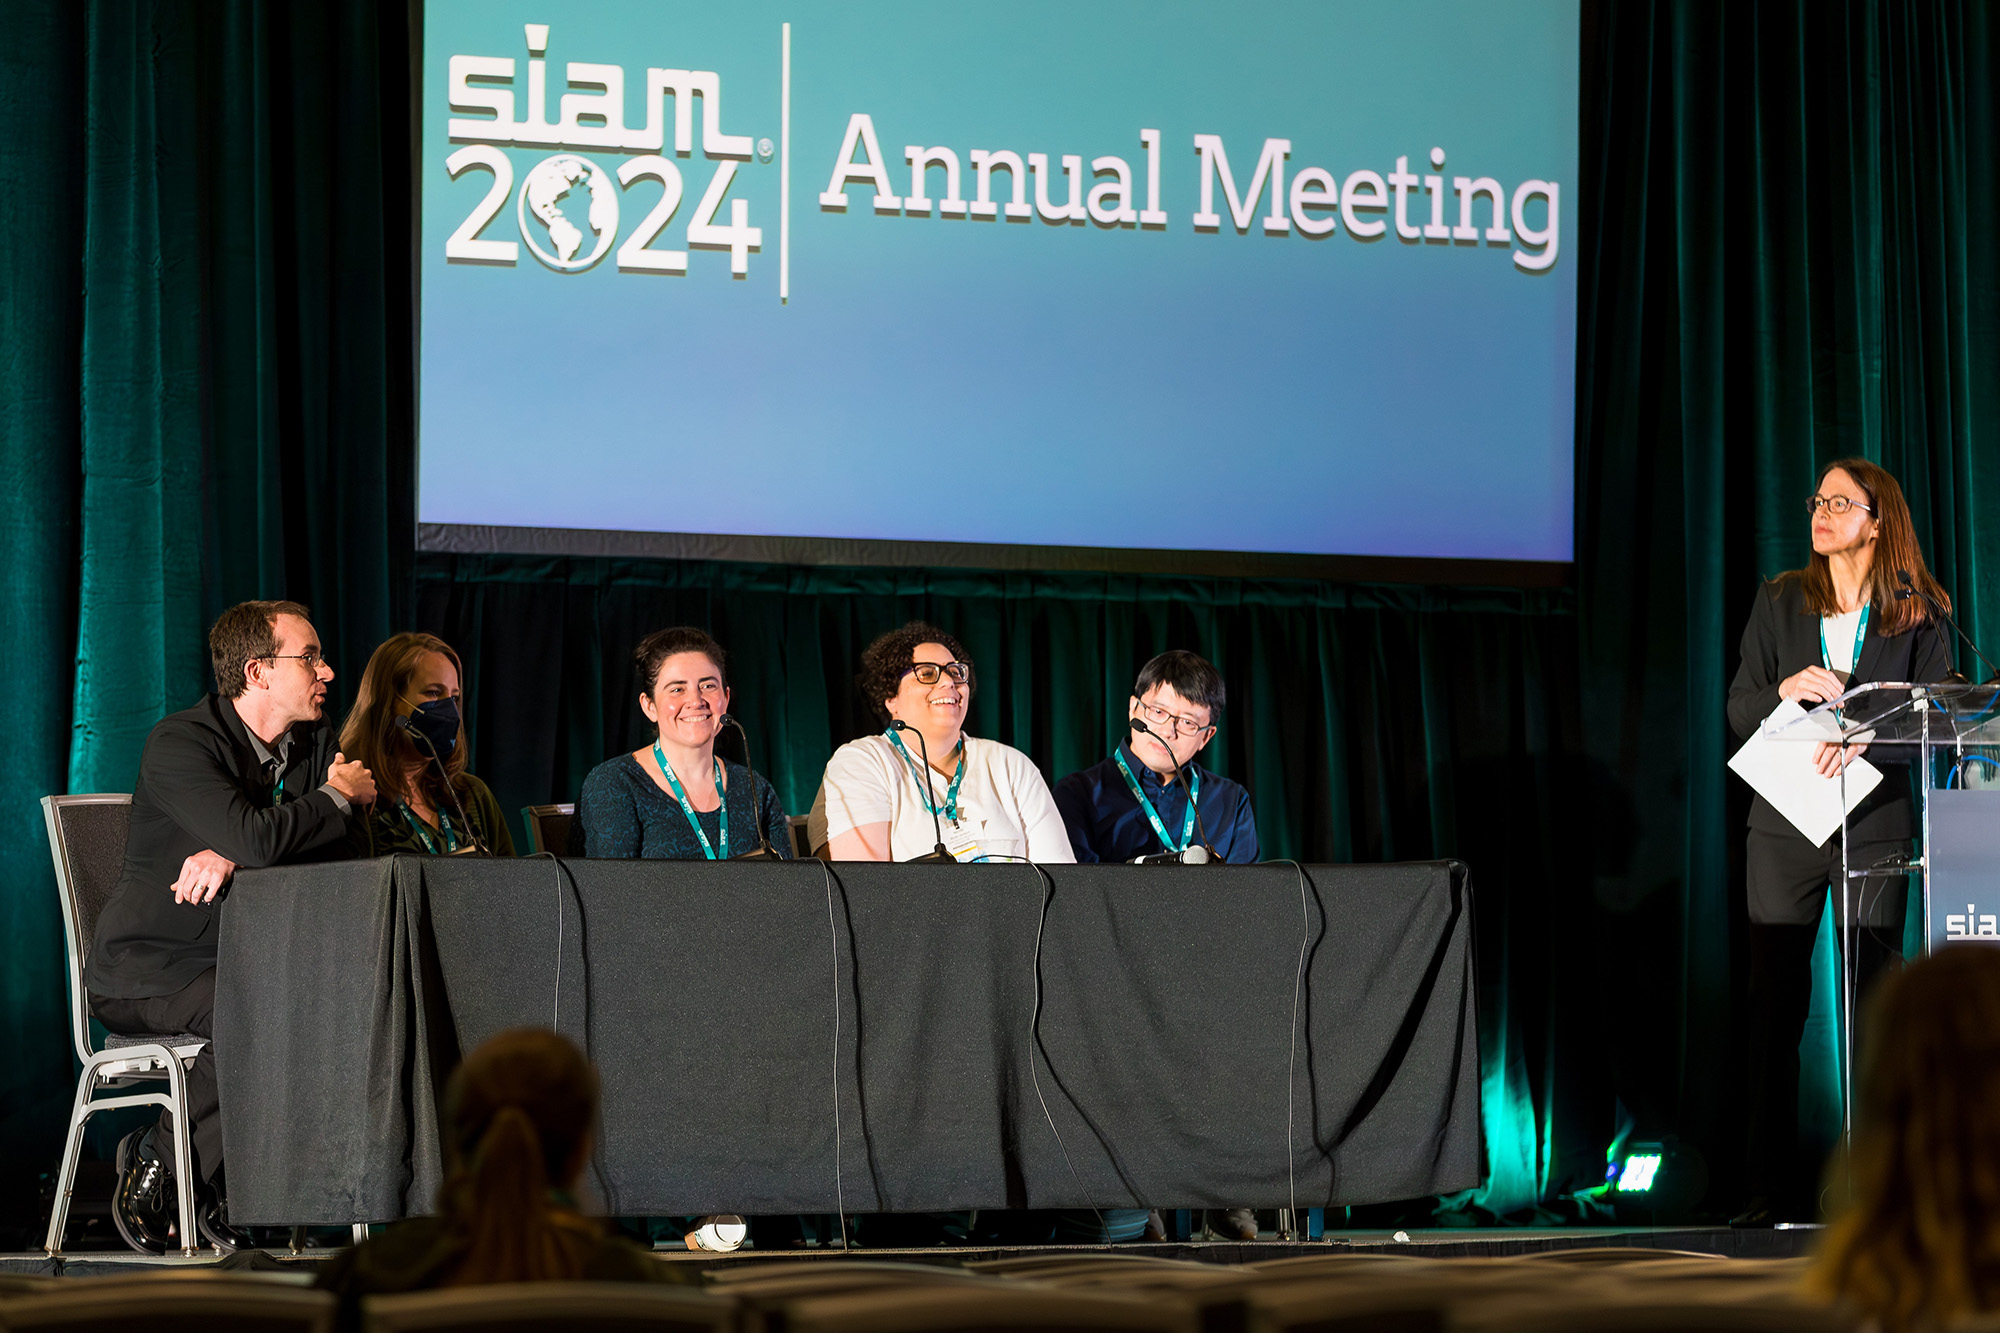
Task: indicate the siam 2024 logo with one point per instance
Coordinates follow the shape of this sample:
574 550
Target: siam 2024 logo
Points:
571 239
567 206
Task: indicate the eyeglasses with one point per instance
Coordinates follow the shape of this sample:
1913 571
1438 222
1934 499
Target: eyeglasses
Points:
1159 719
310 660
1836 505
928 673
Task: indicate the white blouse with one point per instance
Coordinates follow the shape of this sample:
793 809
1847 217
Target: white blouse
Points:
1004 807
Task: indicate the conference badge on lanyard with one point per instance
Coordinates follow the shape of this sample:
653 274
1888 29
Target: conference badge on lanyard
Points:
1153 816
688 809
424 834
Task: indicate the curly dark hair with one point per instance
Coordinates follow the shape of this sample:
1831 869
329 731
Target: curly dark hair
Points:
654 650
885 662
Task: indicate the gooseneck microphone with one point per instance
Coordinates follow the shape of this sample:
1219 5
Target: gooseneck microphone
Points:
764 850
1909 590
937 854
411 729
1205 847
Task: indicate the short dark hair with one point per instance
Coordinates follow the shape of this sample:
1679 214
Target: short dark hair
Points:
654 650
244 633
1192 677
886 661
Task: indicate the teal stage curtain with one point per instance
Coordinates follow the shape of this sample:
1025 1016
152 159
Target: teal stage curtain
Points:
205 386
1788 257
206 394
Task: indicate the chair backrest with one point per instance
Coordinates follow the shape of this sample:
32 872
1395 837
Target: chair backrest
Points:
801 848
1665 1315
210 1305
532 1307
548 827
988 1308
1611 1254
87 840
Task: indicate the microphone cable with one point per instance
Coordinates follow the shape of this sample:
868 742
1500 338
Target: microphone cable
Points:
833 941
1292 1062
555 1009
1048 892
764 848
1180 771
405 725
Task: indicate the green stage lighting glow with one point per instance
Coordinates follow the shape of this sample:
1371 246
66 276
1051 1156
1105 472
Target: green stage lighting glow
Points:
1637 1177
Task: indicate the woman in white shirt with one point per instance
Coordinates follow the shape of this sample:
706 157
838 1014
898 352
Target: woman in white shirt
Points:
893 796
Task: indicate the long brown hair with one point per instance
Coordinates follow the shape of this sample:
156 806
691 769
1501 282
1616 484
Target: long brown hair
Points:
370 733
520 1112
1896 550
1920 1242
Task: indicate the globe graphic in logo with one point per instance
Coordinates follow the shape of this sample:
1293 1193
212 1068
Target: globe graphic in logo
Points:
554 221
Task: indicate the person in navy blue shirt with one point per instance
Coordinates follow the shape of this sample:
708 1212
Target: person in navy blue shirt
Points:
1133 804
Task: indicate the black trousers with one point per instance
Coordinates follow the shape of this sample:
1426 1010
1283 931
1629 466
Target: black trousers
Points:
1786 869
189 1009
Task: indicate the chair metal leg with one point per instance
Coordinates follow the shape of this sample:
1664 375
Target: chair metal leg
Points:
183 1158
66 1178
360 1232
297 1243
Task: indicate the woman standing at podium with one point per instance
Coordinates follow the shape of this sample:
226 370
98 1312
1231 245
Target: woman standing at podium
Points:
1814 633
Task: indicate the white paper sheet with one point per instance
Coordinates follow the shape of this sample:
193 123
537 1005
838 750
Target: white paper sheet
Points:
1781 769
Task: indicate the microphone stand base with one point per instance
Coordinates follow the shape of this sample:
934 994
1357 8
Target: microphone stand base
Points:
938 857
760 854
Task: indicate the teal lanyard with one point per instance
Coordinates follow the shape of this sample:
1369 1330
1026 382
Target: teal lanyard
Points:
1153 816
1860 633
924 788
424 833
722 810
278 792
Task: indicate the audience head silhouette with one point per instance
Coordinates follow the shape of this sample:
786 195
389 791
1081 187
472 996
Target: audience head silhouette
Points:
521 1111
1919 1243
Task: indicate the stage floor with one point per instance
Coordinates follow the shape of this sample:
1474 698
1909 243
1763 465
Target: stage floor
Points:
1438 1243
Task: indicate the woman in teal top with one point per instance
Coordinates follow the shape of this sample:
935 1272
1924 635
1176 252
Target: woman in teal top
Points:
407 728
673 799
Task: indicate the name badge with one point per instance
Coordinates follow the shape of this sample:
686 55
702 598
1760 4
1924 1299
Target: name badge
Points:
962 839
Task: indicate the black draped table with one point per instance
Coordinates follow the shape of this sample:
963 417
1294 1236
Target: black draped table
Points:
783 1037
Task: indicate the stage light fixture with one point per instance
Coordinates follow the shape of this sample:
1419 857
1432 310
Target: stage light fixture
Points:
1636 1172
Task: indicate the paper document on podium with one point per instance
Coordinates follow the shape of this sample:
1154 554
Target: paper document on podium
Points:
1781 769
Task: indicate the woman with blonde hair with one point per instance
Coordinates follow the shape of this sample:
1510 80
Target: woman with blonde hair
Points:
1919 1244
520 1118
406 720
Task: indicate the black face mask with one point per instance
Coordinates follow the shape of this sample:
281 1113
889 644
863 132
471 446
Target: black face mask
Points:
437 722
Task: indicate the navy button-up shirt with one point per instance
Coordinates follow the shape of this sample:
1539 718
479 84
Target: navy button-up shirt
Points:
1106 824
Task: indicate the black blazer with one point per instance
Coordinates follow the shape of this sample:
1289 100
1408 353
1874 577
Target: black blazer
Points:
1781 640
200 787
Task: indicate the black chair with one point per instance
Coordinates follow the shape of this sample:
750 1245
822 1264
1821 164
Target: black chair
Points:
546 1307
548 827
177 1303
982 1307
87 840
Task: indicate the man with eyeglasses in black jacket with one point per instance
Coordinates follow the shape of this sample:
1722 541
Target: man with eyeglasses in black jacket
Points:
247 777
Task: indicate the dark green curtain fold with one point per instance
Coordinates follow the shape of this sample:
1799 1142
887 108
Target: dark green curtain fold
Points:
1788 256
205 366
